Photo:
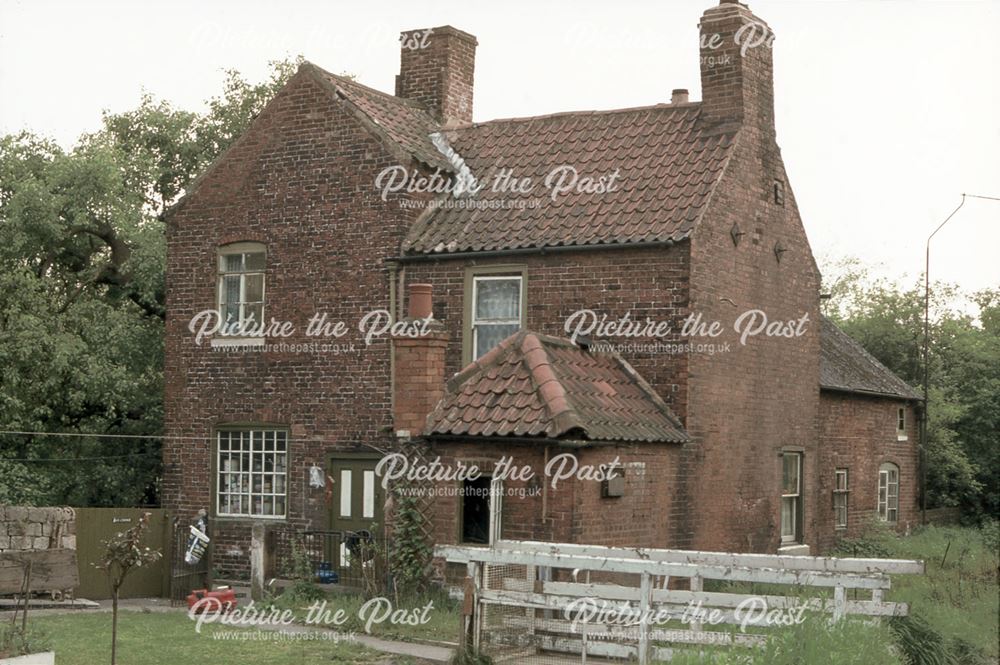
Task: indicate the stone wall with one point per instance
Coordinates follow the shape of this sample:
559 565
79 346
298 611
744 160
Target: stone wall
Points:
24 528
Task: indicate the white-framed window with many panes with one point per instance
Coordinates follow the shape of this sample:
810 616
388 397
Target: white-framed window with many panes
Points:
791 497
888 492
497 310
252 473
841 491
241 287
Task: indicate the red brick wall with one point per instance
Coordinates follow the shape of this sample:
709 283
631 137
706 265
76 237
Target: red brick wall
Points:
300 181
859 433
651 282
574 510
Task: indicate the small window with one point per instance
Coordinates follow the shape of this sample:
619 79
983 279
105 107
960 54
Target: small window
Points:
888 492
791 497
475 510
252 473
779 192
241 287
901 424
496 311
840 494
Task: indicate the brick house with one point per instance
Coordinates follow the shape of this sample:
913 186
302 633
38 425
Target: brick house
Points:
342 204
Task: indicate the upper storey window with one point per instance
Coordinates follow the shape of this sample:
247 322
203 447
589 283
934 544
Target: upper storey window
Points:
241 286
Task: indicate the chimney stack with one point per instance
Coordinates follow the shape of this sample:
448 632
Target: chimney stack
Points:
679 96
737 81
436 69
418 365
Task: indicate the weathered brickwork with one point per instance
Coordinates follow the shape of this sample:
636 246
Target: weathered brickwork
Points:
859 434
301 182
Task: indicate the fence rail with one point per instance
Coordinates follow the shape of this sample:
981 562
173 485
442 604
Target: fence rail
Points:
526 599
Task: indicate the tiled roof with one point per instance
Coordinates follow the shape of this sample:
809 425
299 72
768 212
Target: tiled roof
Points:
845 365
403 122
667 168
533 385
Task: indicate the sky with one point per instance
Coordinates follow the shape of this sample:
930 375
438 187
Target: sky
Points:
886 111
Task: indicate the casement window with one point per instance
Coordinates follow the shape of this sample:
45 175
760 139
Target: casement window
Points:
791 497
252 473
495 309
901 424
888 492
241 286
841 491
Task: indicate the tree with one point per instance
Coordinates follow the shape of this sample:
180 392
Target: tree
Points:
123 554
82 260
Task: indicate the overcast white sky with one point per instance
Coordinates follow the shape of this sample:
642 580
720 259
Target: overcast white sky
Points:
886 111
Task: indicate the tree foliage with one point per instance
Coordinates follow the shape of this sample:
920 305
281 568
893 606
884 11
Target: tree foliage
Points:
963 437
82 259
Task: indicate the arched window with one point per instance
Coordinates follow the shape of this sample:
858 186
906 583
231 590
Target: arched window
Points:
888 492
241 285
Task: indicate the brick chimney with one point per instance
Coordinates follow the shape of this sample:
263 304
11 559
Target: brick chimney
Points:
418 366
737 80
436 68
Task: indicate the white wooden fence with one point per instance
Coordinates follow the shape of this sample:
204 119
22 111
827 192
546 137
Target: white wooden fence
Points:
522 597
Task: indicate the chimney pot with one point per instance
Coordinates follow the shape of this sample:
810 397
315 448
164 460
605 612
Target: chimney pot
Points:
679 96
420 301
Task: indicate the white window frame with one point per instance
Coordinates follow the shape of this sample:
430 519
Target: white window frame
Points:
888 493
795 499
901 424
231 250
841 501
475 323
245 478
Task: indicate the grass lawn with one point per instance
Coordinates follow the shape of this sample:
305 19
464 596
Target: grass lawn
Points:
169 638
444 615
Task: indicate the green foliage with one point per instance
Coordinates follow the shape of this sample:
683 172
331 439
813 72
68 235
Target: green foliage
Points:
410 554
467 657
963 436
14 642
82 260
304 589
816 641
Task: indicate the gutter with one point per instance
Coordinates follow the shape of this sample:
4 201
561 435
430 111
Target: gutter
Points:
869 393
422 258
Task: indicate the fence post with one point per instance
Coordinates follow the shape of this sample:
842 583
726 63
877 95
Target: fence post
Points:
697 585
258 556
839 603
645 591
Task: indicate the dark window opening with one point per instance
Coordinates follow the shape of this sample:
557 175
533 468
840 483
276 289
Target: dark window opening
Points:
476 511
779 192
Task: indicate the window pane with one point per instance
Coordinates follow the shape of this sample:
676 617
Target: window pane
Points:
368 500
498 299
253 315
345 492
488 336
788 517
230 289
232 262
790 474
279 506
254 288
254 261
